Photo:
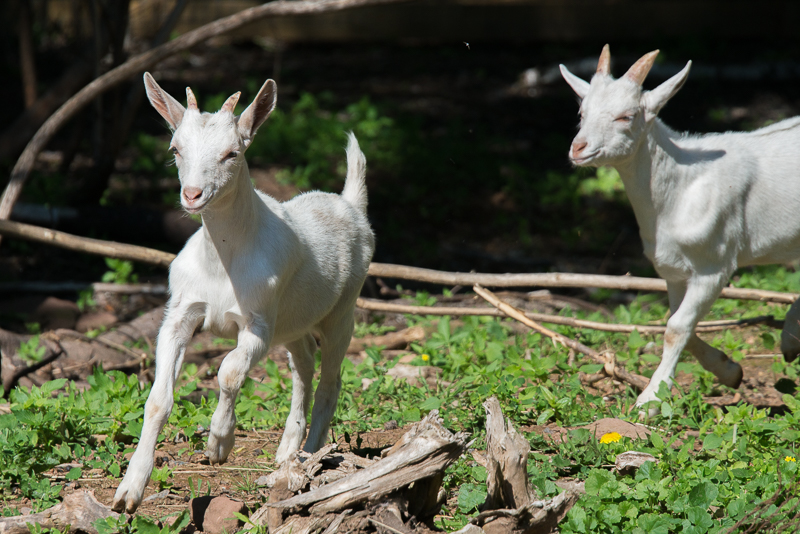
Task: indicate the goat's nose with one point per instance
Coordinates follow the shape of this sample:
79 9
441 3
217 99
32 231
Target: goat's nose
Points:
578 146
192 193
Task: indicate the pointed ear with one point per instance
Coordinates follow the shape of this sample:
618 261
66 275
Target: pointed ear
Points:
257 112
581 87
654 100
167 107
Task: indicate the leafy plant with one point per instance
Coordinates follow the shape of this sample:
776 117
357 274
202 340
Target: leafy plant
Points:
121 272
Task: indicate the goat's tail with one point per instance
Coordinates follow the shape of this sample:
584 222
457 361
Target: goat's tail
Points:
355 187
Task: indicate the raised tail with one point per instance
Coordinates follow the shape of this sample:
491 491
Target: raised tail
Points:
355 187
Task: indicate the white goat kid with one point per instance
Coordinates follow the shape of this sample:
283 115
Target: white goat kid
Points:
705 204
259 270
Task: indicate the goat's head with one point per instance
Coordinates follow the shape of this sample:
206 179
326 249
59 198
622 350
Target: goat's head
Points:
209 147
616 114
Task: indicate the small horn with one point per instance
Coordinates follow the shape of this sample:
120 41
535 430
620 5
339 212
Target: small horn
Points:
230 104
604 63
191 101
639 70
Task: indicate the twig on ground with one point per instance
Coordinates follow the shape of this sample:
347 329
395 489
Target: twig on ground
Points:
710 326
609 366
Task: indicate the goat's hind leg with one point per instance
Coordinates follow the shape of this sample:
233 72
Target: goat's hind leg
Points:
336 332
790 337
689 301
252 344
301 362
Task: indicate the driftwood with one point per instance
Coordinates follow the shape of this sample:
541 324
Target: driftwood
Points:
400 492
609 366
79 510
704 326
137 64
392 340
511 506
157 257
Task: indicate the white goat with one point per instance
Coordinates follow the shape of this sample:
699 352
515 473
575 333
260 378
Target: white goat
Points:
705 204
259 270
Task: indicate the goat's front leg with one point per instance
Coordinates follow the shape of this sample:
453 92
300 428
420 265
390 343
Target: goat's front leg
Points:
173 337
701 292
714 360
253 342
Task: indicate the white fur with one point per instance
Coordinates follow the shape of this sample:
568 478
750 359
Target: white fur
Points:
258 270
705 204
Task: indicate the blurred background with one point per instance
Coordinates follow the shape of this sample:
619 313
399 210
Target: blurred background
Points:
458 105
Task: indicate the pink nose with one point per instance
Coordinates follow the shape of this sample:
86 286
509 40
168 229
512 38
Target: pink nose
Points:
192 193
578 146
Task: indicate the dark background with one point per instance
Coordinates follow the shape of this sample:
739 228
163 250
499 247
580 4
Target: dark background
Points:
470 171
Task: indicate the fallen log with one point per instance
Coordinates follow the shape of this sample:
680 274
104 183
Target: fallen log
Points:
392 340
76 514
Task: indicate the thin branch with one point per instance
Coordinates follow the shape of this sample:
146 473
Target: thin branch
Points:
626 283
709 326
138 63
112 249
108 249
609 367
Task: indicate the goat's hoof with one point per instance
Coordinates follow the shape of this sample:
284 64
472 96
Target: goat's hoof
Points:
790 355
737 377
219 448
126 499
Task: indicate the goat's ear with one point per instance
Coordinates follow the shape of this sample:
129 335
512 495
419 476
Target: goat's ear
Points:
257 112
581 87
167 107
656 99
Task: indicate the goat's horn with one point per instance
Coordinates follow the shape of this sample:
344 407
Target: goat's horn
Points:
604 63
191 101
230 104
639 70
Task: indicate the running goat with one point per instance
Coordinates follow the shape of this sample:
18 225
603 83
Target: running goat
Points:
705 204
258 270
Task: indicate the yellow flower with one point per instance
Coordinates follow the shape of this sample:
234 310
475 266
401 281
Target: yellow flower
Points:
611 437
790 459
425 357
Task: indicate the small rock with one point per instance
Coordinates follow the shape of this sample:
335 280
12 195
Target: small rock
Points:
197 510
160 458
262 480
157 496
95 320
26 511
56 313
628 462
220 516
390 425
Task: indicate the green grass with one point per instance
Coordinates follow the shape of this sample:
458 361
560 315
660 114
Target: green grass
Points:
740 462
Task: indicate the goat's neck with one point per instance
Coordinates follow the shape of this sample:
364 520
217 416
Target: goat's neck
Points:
651 177
232 222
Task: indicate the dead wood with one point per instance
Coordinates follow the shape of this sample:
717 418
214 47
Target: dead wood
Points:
418 458
163 259
609 365
625 283
507 483
109 249
76 354
137 64
392 340
79 511
538 517
705 326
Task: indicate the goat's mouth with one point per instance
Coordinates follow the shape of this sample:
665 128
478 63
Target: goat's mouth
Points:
195 207
582 160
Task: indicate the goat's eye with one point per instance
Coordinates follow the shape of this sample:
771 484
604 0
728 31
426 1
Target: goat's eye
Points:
174 150
231 155
624 118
